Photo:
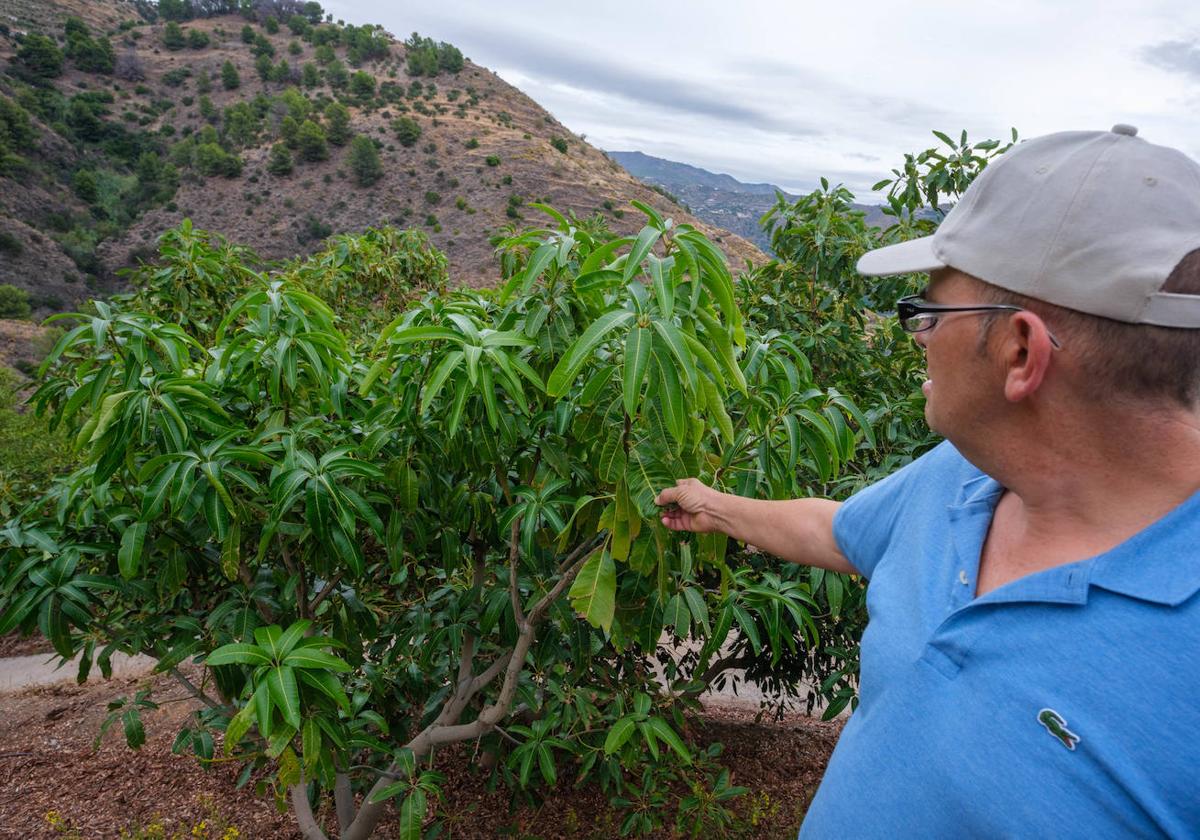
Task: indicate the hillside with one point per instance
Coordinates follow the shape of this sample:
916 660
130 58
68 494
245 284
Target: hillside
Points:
115 156
720 199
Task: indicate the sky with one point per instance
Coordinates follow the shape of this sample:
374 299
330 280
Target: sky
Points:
788 92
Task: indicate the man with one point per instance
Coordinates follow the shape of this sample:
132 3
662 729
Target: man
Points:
1031 667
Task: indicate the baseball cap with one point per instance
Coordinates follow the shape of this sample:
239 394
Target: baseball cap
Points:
1093 221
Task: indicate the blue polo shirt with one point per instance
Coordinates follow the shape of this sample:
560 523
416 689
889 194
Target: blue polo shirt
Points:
1065 704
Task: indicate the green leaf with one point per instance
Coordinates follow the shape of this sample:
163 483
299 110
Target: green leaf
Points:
637 356
667 734
598 281
676 343
135 733
412 815
307 657
231 551
618 735
593 593
129 557
238 726
568 366
671 398
678 616
285 694
238 654
645 241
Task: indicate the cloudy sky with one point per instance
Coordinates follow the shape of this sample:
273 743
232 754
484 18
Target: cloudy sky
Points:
785 92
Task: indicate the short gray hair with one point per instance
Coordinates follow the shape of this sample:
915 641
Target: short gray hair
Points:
1122 360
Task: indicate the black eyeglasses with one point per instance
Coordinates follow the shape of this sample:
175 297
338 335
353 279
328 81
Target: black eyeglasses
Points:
918 315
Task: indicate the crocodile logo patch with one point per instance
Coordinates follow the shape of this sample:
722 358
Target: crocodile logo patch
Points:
1057 727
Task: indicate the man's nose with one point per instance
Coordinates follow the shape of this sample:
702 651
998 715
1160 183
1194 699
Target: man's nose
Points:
922 338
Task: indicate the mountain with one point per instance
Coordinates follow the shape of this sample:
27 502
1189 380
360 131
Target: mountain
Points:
719 199
140 124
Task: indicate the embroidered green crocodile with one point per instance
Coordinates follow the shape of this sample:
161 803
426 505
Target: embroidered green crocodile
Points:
1057 727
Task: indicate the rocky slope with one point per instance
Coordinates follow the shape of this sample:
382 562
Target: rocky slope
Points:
485 152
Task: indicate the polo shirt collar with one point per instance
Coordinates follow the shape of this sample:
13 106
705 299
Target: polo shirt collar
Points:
1159 564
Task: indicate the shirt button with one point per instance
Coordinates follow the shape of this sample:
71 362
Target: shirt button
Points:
962 577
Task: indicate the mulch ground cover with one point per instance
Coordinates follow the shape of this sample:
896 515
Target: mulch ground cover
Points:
48 767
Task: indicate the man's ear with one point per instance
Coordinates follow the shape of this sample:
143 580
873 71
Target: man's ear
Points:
1026 353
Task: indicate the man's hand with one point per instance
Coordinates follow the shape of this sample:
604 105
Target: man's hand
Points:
694 506
798 530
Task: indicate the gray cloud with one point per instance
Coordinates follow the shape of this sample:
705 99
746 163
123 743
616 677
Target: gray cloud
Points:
1176 56
549 62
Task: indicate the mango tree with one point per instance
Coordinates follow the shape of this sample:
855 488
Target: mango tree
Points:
378 543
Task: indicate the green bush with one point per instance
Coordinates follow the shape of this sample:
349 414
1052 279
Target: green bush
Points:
492 160
10 245
337 124
310 76
362 84
364 161
211 160
173 37
230 78
432 197
14 302
311 142
39 57
31 453
271 24
197 39
176 77
247 34
559 143
408 131
280 160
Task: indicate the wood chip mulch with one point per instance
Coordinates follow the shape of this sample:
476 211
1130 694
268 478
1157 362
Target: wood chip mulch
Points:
47 764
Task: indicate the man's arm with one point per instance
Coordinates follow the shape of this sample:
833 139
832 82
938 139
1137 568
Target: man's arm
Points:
797 530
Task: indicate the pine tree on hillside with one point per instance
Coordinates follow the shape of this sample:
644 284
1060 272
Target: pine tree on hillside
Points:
364 161
312 142
230 78
280 161
337 124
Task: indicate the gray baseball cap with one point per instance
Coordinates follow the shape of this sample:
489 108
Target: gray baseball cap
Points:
1094 221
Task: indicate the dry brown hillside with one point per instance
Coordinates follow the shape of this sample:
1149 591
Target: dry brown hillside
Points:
484 153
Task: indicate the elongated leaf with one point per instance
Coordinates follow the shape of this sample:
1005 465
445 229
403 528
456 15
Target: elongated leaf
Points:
412 815
677 345
618 735
645 241
593 593
667 734
637 357
310 658
568 366
281 682
129 557
238 654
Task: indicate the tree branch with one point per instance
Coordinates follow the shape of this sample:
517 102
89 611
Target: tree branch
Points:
324 593
343 797
309 829
194 691
513 594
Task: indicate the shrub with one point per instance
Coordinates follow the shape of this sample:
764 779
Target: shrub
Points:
408 131
197 39
337 123
14 302
294 48
10 245
472 143
310 76
247 34
280 160
210 159
230 78
336 75
271 24
311 141
492 160
432 197
364 161
39 57
362 84
560 144
264 67
173 37
176 77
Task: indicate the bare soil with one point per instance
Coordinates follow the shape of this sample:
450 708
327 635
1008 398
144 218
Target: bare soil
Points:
47 764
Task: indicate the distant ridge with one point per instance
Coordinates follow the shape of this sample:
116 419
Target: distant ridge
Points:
718 198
